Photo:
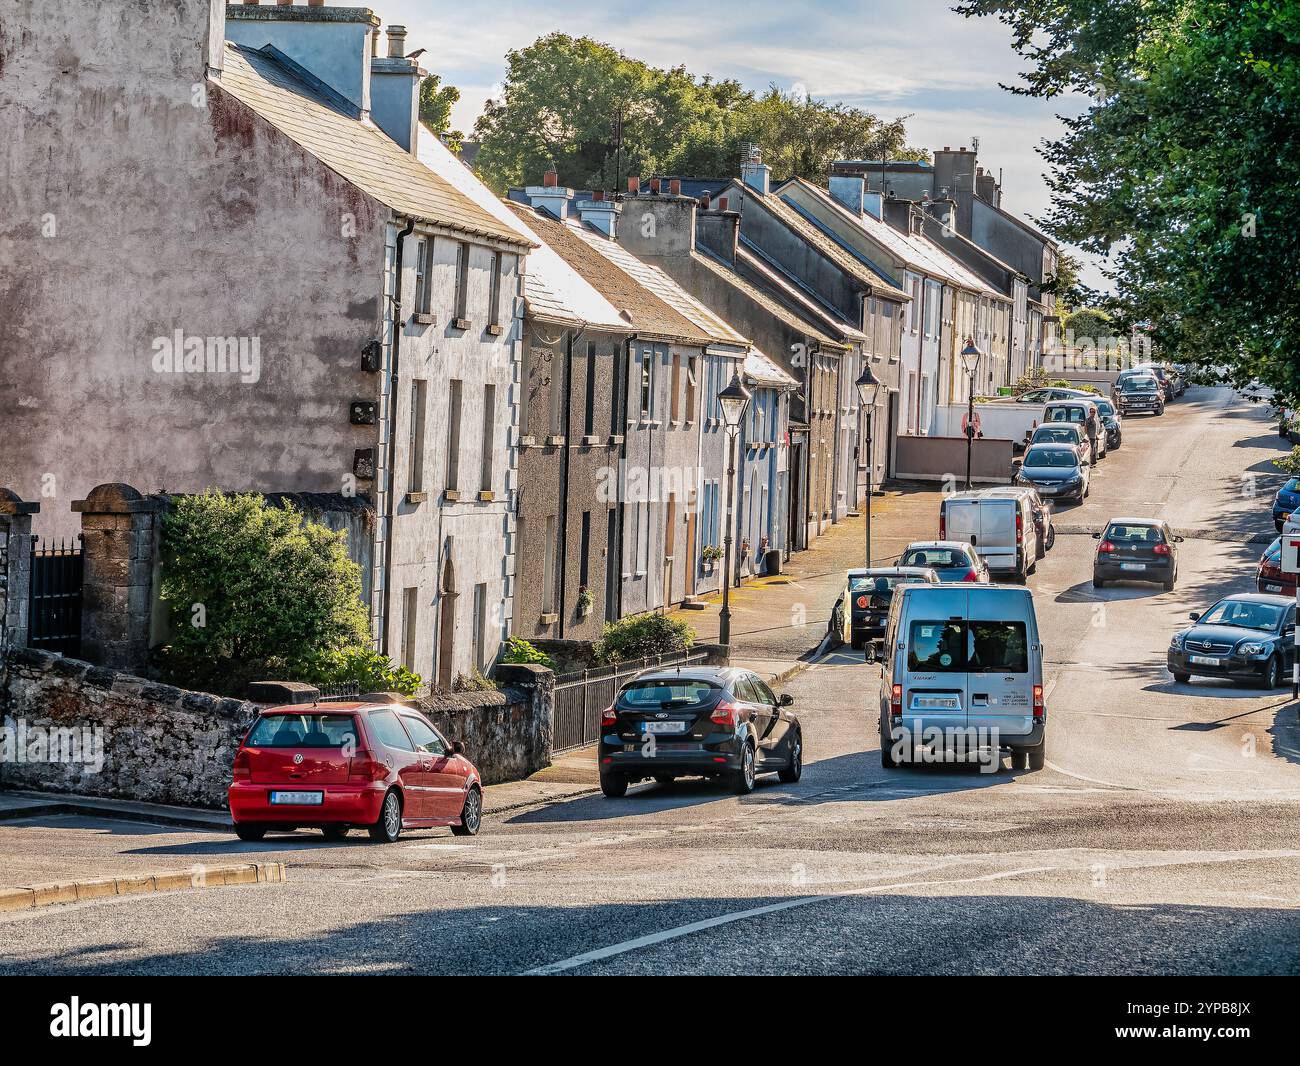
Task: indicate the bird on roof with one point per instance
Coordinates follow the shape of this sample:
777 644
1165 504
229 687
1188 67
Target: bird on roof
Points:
416 54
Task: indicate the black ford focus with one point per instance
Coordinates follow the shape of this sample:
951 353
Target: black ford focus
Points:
1249 637
719 722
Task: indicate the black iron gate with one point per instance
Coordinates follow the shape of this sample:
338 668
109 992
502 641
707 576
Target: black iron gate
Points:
55 617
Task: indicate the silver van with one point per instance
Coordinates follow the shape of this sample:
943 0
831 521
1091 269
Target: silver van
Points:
963 673
1000 528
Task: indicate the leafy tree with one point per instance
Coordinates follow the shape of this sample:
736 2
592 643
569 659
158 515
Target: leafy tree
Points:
562 95
254 590
1182 169
436 102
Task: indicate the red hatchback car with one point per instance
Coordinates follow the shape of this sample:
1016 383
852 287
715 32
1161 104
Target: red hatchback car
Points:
341 766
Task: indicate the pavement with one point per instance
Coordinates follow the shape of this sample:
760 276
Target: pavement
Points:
1162 838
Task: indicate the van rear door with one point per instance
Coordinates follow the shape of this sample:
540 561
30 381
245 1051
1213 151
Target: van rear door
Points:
961 520
1001 656
997 543
932 631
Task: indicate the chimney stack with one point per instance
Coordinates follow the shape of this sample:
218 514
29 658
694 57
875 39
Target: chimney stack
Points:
654 186
848 190
601 214
396 42
634 186
706 202
758 176
675 186
551 196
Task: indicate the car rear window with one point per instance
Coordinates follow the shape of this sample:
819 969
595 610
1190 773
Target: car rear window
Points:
665 691
975 646
1068 433
303 731
1051 457
940 558
1105 407
1134 534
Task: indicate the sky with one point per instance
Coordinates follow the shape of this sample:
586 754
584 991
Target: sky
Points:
915 58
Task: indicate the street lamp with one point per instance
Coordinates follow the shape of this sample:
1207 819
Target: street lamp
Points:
733 400
868 389
970 361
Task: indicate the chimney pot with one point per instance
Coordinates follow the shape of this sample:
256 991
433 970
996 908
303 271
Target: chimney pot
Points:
946 148
598 195
396 42
722 203
706 201
633 185
962 148
284 3
315 3
550 179
675 186
654 186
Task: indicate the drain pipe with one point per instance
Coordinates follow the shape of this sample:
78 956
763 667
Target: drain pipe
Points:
390 503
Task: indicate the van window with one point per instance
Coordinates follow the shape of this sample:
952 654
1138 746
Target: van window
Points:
956 646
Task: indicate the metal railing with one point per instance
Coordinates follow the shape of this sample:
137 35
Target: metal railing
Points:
581 696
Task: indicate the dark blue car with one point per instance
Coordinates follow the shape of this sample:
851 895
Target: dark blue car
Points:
1286 502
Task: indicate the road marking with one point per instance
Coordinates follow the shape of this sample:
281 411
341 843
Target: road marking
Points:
652 939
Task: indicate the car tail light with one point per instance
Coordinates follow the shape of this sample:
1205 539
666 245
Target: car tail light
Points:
243 769
1161 549
943 526
724 714
896 702
1039 710
1105 546
971 575
363 766
609 716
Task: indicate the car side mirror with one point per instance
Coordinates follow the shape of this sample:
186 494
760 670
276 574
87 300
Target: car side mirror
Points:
1096 536
1194 616
786 699
457 748
1178 540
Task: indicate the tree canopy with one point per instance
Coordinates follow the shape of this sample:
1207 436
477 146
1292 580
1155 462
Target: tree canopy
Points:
436 102
1182 169
562 95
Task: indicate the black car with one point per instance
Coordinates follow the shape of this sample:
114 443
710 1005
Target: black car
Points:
701 721
1139 393
1111 420
1136 549
1249 637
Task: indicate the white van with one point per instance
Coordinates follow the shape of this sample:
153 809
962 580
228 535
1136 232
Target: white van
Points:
999 527
963 670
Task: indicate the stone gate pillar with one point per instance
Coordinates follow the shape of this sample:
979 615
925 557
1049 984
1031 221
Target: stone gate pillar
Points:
119 540
15 567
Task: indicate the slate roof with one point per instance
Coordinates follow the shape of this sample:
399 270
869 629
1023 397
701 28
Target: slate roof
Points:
553 290
324 125
646 312
763 371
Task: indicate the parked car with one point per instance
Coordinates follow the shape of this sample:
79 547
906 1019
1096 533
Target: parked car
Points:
1286 502
1061 471
719 722
1070 433
962 658
1173 383
1136 549
1053 392
1084 413
1269 575
341 766
1139 392
1044 530
952 560
1249 637
867 592
999 528
1110 418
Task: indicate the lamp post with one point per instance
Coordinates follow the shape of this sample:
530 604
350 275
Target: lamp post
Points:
868 389
733 400
970 361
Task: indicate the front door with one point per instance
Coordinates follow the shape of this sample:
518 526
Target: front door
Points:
406 760
670 546
691 565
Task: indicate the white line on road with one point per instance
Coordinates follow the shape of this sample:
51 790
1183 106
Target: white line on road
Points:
651 939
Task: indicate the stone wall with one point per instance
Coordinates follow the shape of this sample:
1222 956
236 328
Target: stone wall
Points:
159 744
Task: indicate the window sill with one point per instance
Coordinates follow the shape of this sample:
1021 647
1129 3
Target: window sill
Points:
424 318
451 495
555 439
590 440
495 329
486 496
616 438
527 441
548 619
461 323
416 497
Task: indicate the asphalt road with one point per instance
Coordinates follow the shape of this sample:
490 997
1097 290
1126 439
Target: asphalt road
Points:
1164 836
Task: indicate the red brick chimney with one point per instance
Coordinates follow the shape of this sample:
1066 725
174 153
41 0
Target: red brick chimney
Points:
633 185
550 179
675 186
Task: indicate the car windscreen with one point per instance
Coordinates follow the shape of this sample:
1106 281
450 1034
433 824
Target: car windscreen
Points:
877 591
303 731
1245 614
1121 534
939 558
1142 384
669 692
1055 458
1105 407
974 646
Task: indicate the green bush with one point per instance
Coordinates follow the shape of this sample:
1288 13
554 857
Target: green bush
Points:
643 636
368 669
255 591
1289 464
519 650
472 682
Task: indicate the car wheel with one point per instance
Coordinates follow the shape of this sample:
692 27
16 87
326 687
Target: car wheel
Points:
1087 490
1273 673
1159 411
1033 567
887 760
250 833
1037 757
1051 538
1098 583
1169 585
741 781
1181 677
613 786
471 815
1020 760
794 771
388 826
334 832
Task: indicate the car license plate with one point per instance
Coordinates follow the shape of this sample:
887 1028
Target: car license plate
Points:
663 727
1272 588
936 702
1132 566
299 799
1204 660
